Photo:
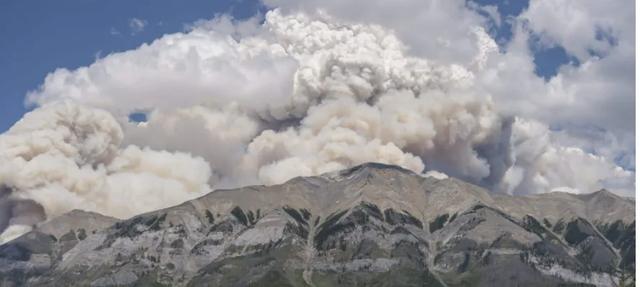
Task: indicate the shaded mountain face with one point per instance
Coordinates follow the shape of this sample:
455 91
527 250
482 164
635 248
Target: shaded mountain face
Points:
371 225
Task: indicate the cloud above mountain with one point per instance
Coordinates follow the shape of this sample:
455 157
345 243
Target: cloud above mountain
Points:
320 86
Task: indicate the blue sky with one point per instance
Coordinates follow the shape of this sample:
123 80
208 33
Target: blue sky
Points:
40 36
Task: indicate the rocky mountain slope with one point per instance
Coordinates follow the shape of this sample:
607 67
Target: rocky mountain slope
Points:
371 225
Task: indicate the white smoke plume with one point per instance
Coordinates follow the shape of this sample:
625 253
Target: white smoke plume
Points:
234 103
64 156
539 165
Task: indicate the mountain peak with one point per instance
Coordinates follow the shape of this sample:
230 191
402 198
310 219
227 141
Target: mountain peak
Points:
368 168
605 192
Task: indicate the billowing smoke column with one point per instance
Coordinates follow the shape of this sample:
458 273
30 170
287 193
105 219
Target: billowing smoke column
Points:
236 103
64 156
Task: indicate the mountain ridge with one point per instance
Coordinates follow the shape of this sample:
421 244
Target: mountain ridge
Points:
362 225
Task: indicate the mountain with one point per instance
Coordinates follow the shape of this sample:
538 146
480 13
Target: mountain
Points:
371 225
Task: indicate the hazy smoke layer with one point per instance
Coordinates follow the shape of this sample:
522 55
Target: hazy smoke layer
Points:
243 103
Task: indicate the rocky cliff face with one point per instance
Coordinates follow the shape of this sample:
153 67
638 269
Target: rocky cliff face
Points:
372 225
